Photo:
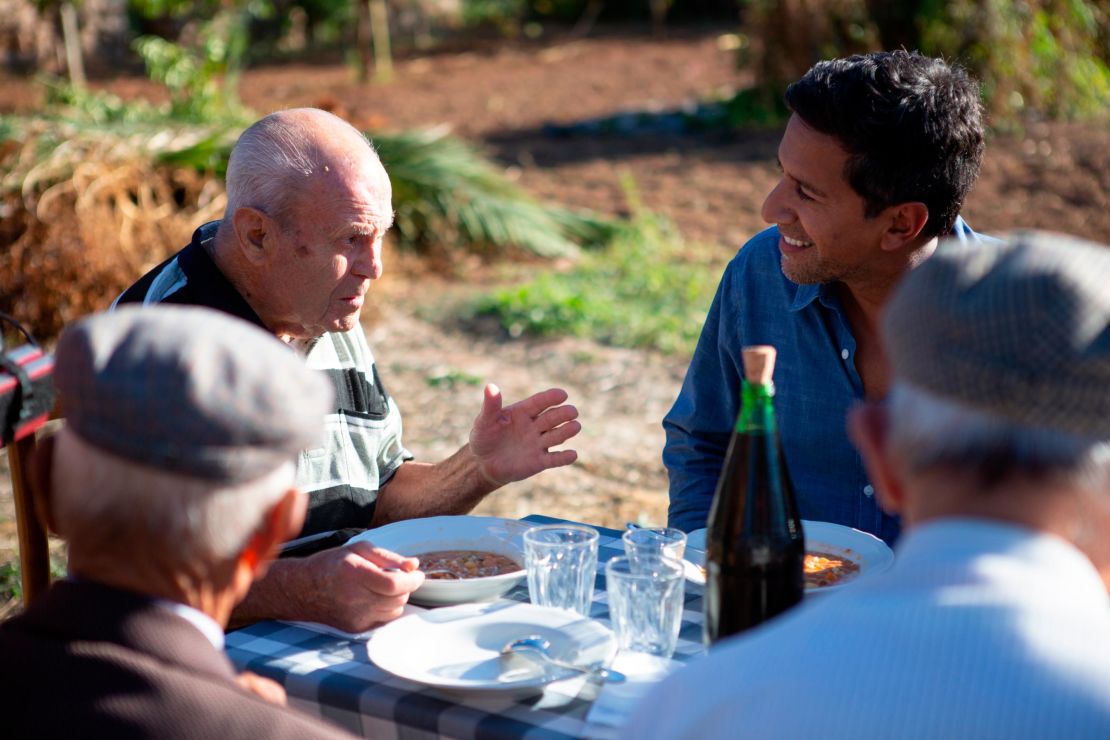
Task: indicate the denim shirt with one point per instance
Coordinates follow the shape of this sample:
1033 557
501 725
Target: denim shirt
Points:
816 382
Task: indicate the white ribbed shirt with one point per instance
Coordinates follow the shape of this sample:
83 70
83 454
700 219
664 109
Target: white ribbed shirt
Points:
978 630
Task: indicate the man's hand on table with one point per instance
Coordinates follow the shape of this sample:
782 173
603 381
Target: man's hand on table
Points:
512 443
262 687
352 588
359 586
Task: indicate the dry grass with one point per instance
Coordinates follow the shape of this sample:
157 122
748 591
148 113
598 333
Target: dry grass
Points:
84 215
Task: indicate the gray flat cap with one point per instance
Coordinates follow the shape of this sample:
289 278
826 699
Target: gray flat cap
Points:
1019 330
189 390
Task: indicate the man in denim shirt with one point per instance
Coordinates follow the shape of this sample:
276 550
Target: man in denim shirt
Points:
876 161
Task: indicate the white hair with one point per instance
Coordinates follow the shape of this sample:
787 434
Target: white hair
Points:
122 506
928 432
270 161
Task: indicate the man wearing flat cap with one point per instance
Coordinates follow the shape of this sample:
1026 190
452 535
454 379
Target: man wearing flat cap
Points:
994 446
172 484
296 252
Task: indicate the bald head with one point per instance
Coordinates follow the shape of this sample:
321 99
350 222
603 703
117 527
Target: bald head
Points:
309 205
281 157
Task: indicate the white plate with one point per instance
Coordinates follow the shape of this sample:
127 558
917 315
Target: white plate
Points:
872 554
418 536
458 648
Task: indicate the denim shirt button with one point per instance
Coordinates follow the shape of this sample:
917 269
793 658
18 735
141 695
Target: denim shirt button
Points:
869 490
844 354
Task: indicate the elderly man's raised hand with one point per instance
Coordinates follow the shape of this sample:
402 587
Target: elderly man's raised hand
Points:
357 586
514 442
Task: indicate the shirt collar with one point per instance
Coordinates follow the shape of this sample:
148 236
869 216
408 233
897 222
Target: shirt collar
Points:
207 626
807 294
212 286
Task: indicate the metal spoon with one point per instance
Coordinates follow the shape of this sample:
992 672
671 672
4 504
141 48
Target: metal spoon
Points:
535 649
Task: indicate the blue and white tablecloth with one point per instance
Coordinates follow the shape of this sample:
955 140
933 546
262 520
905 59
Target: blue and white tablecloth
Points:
331 676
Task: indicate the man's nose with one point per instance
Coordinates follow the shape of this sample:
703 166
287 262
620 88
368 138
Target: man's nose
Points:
775 209
369 263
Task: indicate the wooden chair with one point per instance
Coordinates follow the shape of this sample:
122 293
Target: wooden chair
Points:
28 400
34 557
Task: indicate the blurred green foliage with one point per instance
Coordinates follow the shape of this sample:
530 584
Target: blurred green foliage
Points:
1045 56
11 578
643 290
451 378
202 78
1034 55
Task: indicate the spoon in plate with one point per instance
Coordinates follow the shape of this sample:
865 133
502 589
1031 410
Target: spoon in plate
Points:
536 650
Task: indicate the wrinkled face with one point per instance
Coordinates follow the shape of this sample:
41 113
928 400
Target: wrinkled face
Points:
824 235
330 249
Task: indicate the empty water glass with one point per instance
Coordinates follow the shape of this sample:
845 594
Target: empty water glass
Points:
561 560
646 596
654 541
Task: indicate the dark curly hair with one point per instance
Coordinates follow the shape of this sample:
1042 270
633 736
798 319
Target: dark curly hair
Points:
912 126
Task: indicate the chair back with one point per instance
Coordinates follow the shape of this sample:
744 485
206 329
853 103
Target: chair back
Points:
26 398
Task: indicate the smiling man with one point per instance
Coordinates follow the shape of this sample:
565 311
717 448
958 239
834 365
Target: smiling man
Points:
876 161
300 244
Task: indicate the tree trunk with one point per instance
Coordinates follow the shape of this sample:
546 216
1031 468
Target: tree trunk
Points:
379 29
72 37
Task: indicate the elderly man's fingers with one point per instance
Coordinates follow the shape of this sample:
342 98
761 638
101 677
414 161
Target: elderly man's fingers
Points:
560 434
382 557
262 687
559 458
555 416
534 405
383 572
388 613
491 401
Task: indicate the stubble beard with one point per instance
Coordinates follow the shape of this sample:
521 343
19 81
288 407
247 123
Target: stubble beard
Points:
806 272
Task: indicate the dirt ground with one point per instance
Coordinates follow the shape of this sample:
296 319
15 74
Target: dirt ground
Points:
508 99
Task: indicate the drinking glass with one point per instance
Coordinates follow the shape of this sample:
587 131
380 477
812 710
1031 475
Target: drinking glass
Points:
646 596
666 541
561 560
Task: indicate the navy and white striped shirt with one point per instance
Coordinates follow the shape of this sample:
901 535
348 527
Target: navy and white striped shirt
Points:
362 446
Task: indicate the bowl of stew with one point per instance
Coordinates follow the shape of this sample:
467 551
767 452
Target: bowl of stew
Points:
835 556
464 558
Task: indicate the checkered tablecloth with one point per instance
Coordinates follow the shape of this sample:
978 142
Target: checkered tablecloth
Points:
332 677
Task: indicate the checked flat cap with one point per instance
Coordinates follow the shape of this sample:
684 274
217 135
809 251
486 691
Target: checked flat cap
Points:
190 391
1019 330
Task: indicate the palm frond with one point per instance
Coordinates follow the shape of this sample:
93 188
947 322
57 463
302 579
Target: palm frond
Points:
445 191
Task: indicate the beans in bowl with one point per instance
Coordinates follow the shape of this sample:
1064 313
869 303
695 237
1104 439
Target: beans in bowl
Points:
460 564
826 569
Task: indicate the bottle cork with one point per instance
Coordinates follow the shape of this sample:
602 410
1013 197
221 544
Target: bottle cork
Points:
759 363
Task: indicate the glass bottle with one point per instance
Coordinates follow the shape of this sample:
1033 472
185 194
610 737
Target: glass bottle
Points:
755 548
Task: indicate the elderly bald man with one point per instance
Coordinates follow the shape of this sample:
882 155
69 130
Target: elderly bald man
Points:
298 248
172 484
994 446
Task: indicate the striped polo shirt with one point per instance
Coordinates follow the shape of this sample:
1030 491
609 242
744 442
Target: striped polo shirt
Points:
362 446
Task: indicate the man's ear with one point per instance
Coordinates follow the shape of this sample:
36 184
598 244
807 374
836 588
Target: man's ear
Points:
281 523
42 481
906 222
253 232
867 428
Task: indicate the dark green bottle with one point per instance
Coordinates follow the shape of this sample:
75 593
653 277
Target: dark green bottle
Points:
755 549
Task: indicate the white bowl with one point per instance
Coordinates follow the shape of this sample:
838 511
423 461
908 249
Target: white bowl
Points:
491 534
872 554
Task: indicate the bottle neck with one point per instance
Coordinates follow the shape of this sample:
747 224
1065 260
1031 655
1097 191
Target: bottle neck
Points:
757 408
